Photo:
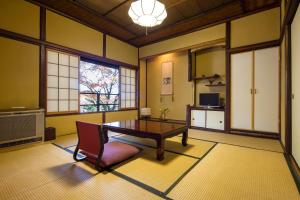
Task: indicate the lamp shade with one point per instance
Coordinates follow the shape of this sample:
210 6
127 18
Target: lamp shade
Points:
147 13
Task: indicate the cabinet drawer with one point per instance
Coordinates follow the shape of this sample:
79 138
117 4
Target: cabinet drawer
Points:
215 120
198 118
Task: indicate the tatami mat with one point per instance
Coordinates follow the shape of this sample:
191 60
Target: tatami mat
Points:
157 174
230 172
246 141
47 172
195 148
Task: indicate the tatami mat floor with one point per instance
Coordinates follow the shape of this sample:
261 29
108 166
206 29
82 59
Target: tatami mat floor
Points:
212 166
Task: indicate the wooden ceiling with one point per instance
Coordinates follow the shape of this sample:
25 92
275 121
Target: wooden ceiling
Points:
111 16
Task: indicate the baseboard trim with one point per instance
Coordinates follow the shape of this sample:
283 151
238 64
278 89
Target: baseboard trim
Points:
294 168
207 129
255 134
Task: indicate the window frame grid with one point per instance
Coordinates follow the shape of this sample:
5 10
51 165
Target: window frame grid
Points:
130 85
58 64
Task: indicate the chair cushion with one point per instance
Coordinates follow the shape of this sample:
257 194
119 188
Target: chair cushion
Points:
114 152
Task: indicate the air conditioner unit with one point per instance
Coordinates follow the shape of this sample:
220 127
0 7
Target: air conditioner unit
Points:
21 126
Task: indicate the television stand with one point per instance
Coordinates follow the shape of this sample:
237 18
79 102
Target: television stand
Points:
206 118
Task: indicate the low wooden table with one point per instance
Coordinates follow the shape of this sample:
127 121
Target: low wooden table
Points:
156 130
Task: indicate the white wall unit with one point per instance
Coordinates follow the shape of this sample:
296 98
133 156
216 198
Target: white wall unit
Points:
266 73
295 31
198 118
241 86
207 119
255 90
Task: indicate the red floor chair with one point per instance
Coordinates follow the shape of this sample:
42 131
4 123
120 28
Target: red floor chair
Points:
91 143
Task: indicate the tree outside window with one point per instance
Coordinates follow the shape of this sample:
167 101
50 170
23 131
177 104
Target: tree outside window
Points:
99 87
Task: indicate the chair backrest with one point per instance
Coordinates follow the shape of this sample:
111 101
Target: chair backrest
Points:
90 137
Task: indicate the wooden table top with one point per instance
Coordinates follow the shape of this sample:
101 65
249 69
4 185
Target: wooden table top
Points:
153 127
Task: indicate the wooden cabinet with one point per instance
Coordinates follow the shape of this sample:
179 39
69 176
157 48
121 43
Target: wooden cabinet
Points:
209 119
255 90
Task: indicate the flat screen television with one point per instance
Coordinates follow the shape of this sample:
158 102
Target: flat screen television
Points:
209 99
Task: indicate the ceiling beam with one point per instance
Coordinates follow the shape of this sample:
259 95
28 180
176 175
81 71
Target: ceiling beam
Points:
116 7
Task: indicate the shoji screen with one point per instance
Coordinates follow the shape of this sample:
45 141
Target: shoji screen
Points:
295 31
128 88
241 90
62 82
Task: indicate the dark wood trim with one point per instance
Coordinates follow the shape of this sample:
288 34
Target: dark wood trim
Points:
104 45
288 97
27 39
103 117
190 65
137 90
19 37
255 133
290 11
257 46
294 168
87 113
146 83
207 129
42 77
42 24
208 109
188 116
42 60
228 77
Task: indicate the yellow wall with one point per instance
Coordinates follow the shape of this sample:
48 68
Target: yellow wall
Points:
209 63
19 70
121 115
121 51
183 90
21 17
184 41
66 32
143 83
257 28
66 124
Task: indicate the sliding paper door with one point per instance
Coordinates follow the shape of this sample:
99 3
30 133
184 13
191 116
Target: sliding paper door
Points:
266 90
295 32
241 87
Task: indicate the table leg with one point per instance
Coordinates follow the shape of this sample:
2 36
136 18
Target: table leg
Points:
160 149
184 138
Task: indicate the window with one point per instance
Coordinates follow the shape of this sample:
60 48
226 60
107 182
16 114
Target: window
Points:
75 85
99 87
128 88
62 82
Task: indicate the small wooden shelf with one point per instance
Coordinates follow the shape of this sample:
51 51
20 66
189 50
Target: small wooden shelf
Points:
216 76
216 85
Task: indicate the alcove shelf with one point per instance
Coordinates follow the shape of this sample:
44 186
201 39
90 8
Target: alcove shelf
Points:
216 85
214 77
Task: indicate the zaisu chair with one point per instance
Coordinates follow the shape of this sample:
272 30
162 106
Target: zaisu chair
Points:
91 143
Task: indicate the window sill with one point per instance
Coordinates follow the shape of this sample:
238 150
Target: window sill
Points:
87 113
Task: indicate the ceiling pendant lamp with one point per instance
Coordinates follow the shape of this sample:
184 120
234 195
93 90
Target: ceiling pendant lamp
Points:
147 13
